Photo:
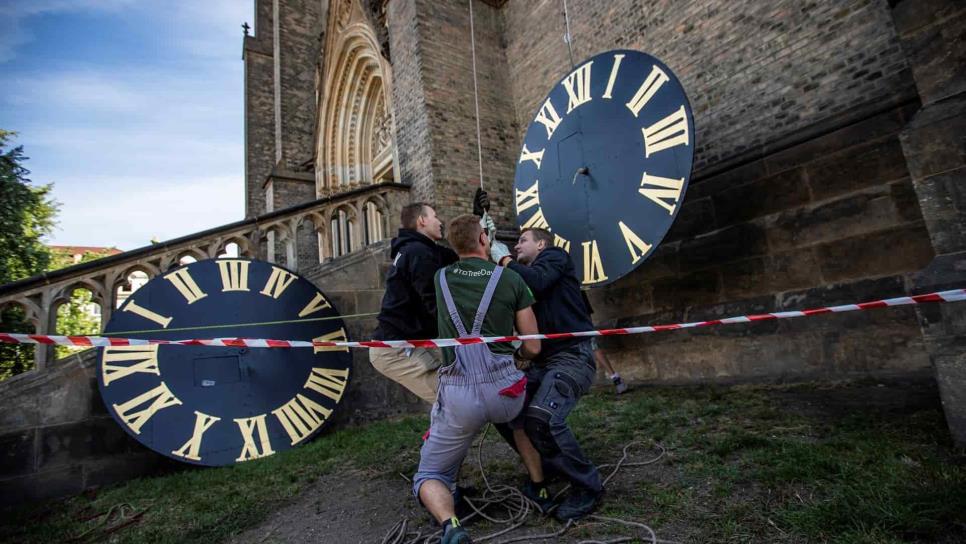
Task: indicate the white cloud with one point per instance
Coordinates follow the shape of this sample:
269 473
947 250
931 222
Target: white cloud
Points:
13 30
88 90
136 150
127 212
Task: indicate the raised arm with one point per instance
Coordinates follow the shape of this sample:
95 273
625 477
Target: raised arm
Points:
543 273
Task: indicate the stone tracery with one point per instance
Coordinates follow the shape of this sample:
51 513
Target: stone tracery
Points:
354 142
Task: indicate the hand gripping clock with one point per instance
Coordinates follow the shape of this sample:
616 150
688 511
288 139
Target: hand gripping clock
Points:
217 406
606 162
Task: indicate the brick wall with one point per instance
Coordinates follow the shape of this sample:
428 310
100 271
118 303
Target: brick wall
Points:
412 136
433 91
753 70
259 108
297 45
832 220
58 439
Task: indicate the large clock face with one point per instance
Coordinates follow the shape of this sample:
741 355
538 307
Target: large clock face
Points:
606 161
215 405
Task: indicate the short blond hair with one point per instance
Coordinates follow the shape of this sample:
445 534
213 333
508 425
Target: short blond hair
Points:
463 233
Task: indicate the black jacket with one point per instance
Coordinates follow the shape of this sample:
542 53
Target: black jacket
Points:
560 306
409 305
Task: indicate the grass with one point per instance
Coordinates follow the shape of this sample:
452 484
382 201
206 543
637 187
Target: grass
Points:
743 465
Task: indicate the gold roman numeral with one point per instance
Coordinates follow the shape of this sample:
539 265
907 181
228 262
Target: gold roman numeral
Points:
301 417
186 285
654 81
249 427
668 132
634 243
328 382
533 156
147 314
159 398
234 275
577 85
334 336
663 191
536 221
317 304
191 448
548 117
277 283
144 359
528 197
593 268
561 242
613 75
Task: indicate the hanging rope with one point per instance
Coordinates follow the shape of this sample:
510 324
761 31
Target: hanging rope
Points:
568 37
476 95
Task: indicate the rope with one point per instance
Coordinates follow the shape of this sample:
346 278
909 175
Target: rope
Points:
514 508
476 95
568 37
252 324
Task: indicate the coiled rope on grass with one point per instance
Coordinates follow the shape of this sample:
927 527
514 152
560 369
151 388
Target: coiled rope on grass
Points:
513 509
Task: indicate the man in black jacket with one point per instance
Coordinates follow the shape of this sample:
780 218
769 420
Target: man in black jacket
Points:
564 370
409 306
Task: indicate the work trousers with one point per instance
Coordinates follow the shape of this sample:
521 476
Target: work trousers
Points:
466 403
553 389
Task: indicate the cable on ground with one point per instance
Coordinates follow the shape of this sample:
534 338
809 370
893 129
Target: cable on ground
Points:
506 505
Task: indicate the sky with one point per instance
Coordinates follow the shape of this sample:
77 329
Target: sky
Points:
133 109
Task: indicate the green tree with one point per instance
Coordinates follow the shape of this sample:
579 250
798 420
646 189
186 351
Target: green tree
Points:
27 214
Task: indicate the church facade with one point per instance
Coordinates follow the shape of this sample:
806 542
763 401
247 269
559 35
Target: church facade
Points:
811 184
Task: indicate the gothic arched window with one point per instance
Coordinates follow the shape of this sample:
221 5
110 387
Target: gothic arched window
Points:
372 220
340 227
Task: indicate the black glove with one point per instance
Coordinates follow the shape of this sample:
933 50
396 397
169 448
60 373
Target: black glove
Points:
481 202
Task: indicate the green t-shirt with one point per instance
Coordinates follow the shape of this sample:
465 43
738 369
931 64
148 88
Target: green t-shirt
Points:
467 280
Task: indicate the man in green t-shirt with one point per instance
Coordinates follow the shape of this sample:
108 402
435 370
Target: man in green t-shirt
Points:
478 383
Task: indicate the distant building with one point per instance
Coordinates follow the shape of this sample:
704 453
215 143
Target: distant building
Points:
76 254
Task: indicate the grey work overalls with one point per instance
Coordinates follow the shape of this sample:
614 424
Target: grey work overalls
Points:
473 390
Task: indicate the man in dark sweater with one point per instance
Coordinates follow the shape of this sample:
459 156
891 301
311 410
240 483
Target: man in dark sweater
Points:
564 370
409 306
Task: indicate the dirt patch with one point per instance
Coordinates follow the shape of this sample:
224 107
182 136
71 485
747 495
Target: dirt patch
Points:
344 507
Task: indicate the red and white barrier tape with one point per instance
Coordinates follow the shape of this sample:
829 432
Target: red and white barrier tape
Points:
954 295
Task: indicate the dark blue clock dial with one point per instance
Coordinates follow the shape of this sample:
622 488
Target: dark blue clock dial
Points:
606 162
218 406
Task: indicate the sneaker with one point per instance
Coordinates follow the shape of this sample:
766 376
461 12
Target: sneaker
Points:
456 535
540 496
580 502
619 384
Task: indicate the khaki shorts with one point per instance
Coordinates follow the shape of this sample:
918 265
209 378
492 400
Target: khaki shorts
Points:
414 369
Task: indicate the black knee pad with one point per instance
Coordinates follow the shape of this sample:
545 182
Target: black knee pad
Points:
537 426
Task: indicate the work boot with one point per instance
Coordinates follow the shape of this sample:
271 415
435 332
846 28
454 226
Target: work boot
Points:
539 495
580 502
619 384
454 533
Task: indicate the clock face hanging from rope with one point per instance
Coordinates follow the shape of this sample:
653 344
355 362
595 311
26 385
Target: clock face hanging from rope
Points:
217 406
606 162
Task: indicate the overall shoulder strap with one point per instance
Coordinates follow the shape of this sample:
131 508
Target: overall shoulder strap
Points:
450 305
486 300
